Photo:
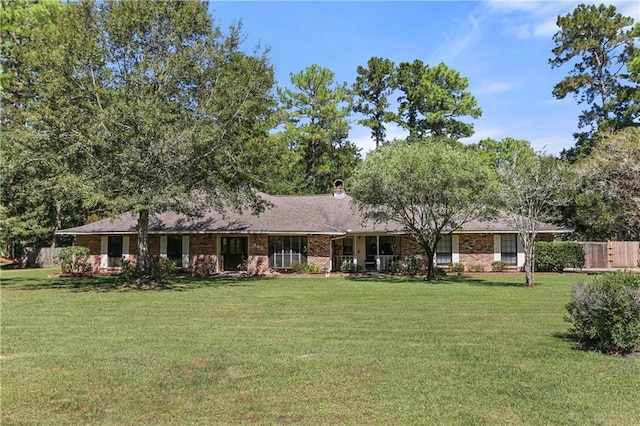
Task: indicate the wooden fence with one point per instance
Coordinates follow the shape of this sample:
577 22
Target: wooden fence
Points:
612 254
40 257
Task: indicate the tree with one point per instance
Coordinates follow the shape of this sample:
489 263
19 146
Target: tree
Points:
504 151
611 175
165 107
39 194
372 87
530 190
432 99
596 39
317 128
429 188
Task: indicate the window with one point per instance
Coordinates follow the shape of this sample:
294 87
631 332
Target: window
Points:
114 251
509 249
285 252
444 252
174 249
385 247
347 247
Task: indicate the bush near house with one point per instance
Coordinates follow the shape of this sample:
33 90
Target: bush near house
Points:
557 255
605 313
350 267
74 259
499 266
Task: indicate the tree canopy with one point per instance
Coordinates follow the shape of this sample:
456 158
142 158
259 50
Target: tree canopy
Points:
599 42
317 128
154 105
430 189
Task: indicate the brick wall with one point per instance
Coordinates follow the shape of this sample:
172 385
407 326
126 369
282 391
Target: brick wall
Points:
259 252
409 247
318 250
202 254
476 249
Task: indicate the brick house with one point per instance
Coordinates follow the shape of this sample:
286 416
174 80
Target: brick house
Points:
323 230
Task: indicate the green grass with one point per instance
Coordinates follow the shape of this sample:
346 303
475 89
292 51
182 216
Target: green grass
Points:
469 350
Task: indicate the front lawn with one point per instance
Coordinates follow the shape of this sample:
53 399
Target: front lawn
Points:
465 350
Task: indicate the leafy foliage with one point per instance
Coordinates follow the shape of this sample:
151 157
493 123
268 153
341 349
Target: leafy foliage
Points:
153 107
532 189
74 259
157 274
598 42
606 312
431 100
610 185
499 266
308 268
316 129
557 255
372 87
350 267
429 188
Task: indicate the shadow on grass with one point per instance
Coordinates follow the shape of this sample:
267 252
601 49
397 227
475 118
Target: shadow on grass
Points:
112 283
489 281
415 279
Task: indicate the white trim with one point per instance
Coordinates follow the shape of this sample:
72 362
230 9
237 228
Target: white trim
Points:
125 248
497 248
104 251
520 249
185 251
163 246
455 248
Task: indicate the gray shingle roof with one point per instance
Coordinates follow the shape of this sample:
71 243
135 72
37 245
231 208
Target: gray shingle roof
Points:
309 214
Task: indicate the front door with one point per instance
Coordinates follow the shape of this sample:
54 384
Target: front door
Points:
234 253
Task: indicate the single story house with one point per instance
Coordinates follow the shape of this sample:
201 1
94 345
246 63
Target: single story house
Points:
323 230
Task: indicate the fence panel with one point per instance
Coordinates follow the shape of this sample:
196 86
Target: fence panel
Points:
623 254
40 257
595 255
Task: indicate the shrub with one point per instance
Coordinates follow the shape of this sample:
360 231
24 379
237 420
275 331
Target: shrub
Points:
499 266
74 259
606 312
307 268
477 268
350 267
558 255
457 267
160 269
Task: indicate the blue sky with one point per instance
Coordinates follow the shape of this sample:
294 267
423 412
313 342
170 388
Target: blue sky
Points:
502 47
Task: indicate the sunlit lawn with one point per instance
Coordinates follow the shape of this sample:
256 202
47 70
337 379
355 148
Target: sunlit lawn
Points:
467 350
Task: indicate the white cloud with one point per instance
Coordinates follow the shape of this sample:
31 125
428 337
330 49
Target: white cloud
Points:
493 87
466 34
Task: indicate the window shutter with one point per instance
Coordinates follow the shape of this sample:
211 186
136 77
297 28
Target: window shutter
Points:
125 248
455 248
104 251
185 251
163 246
520 251
497 249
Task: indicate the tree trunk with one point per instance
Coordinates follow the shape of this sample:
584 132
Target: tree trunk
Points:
55 240
431 273
529 266
143 241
